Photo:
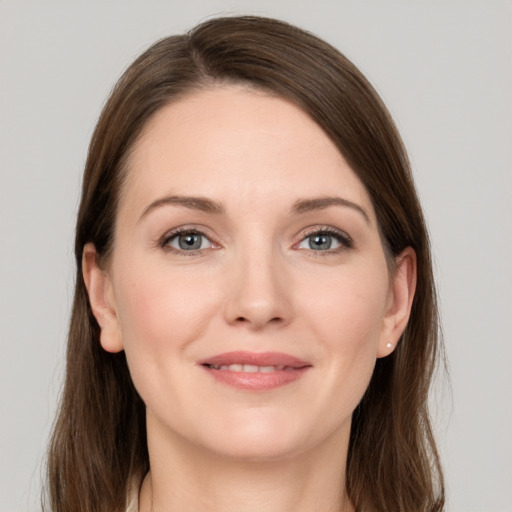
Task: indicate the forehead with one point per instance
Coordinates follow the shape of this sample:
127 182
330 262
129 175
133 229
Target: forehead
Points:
238 143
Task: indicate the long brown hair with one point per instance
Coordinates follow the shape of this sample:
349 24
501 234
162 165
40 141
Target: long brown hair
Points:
99 441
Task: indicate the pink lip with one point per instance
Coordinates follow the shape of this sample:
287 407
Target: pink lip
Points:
292 369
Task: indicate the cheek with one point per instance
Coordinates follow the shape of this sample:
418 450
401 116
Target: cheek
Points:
162 312
349 309
347 319
161 309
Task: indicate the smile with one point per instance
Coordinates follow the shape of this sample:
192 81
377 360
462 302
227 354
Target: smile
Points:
250 368
253 371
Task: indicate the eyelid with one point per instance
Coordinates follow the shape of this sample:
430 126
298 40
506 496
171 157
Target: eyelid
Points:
164 240
343 237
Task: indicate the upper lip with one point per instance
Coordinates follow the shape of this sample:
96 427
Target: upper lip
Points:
255 358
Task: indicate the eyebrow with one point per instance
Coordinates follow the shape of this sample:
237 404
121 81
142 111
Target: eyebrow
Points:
321 203
208 206
194 203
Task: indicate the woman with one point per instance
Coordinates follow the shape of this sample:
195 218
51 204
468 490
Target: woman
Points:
254 324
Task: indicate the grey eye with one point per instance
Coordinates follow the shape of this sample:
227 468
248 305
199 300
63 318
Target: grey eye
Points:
320 242
189 241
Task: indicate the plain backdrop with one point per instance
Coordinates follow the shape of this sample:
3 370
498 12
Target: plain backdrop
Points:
444 68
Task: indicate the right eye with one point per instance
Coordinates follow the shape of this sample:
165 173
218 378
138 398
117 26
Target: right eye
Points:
188 241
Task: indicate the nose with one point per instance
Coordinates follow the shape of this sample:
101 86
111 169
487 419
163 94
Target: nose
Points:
258 291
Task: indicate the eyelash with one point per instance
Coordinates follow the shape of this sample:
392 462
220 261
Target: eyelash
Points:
341 237
168 237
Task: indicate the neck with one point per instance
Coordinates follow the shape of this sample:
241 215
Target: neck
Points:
187 478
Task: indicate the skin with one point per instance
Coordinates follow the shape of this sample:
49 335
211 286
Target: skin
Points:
255 284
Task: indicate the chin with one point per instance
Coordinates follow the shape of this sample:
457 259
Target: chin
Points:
257 449
261 437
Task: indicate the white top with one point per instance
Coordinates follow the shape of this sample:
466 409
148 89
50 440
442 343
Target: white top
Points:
133 498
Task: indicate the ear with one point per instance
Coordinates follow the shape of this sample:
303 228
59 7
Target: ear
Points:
403 286
102 300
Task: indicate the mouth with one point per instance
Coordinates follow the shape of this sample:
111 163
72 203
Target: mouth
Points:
249 368
255 371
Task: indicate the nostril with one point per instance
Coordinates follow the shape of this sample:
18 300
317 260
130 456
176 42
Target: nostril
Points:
244 320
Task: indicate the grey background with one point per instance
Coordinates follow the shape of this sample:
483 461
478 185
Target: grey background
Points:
444 68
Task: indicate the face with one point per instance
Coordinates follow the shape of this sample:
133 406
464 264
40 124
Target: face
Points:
247 285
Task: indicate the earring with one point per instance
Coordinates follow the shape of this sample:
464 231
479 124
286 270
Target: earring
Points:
389 345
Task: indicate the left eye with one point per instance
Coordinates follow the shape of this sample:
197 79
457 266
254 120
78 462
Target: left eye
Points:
321 242
189 241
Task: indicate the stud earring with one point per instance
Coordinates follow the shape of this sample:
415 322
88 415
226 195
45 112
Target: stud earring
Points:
389 345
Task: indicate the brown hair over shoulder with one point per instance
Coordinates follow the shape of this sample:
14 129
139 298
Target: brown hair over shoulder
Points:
99 440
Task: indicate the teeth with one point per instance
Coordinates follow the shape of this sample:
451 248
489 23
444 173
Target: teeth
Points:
249 368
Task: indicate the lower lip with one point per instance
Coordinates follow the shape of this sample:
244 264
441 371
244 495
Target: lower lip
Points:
257 381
